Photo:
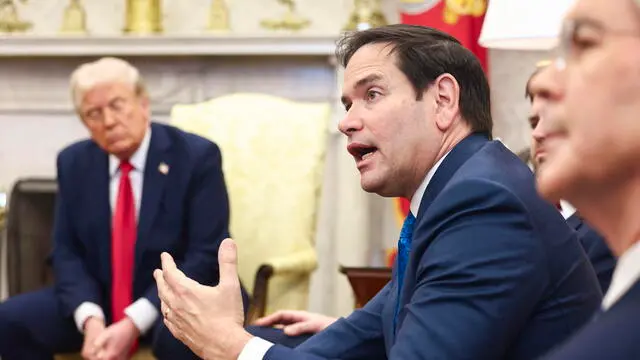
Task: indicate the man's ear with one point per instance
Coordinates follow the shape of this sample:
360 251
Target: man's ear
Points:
145 103
447 95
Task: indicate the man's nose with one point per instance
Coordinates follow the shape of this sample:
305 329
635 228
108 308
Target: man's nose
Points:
351 122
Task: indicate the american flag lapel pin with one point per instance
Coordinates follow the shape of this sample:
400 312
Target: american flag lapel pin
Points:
163 168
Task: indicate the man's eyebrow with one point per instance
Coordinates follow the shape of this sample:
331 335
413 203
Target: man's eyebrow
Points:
587 22
367 80
362 82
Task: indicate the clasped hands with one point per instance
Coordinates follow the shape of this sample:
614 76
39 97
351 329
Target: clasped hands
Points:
108 343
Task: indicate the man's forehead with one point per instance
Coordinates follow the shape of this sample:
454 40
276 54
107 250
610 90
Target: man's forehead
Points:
369 62
617 14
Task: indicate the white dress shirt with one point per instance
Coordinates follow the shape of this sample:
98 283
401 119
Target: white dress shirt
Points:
142 313
566 209
626 273
257 347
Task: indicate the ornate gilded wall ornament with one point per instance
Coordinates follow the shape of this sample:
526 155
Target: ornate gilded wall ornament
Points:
74 20
291 20
10 20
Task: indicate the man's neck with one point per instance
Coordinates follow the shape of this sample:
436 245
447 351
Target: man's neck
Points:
449 141
615 213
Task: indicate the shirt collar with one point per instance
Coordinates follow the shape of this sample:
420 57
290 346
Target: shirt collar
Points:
566 209
626 273
138 159
417 196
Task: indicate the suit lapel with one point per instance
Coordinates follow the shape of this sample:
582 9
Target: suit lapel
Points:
457 156
99 211
155 176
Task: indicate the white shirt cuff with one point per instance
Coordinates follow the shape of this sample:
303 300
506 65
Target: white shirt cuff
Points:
255 349
85 311
143 314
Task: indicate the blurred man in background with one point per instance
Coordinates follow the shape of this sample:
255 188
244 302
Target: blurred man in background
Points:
593 104
541 142
132 191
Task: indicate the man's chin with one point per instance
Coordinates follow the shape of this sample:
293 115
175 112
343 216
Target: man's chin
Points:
369 183
368 187
379 188
120 149
551 184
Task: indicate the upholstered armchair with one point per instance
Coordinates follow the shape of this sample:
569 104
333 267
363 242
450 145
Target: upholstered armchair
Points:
273 152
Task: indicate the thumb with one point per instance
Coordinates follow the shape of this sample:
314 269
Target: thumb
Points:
101 341
228 263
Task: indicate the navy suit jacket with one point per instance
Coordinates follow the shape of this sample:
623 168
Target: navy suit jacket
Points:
612 334
597 250
494 273
184 212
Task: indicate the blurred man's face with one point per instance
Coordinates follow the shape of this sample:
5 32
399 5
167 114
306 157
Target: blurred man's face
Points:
116 116
592 107
543 143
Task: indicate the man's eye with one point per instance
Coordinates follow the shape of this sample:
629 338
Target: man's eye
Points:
92 114
117 104
584 38
371 94
582 43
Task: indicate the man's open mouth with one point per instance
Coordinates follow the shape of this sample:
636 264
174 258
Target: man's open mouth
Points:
361 151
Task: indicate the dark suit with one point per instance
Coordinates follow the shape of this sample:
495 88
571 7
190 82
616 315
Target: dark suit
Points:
494 273
183 211
612 334
594 245
598 252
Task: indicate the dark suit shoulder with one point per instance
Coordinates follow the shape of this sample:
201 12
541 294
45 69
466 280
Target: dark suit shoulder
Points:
77 156
497 163
77 148
495 171
612 335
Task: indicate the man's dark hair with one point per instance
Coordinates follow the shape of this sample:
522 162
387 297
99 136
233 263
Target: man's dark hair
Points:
425 53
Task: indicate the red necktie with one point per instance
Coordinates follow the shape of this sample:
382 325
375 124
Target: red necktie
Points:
123 246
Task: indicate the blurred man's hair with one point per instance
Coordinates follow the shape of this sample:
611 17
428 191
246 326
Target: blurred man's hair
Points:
539 66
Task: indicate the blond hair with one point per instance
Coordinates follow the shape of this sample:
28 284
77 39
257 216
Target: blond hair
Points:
539 66
104 70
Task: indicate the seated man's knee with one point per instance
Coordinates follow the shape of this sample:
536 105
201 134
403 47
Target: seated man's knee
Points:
7 319
277 336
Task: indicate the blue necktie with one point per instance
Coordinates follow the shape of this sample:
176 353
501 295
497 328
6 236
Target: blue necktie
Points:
404 247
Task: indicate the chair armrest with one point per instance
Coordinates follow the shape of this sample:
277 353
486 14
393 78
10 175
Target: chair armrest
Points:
302 262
